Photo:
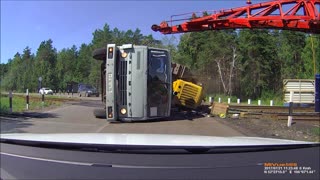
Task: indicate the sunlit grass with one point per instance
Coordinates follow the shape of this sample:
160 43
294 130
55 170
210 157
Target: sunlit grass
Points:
19 103
315 131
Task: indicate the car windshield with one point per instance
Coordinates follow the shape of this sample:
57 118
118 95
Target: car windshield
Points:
86 87
233 82
246 71
89 87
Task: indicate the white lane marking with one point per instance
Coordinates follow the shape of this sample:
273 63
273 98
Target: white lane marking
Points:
48 160
101 128
130 166
101 165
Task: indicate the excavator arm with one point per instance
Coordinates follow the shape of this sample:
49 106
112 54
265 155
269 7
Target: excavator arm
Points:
298 15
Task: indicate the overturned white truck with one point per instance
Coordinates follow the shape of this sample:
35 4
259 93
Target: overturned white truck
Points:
136 82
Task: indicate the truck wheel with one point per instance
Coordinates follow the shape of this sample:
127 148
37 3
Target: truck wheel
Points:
100 113
100 54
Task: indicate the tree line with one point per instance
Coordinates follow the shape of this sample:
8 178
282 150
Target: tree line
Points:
249 63
245 63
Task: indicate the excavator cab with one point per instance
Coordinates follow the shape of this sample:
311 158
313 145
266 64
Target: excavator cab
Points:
187 92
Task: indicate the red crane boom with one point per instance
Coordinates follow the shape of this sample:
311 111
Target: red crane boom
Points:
298 15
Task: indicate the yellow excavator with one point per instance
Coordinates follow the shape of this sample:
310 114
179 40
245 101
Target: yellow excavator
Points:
187 93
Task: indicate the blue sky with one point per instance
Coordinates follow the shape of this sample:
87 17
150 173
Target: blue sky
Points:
67 23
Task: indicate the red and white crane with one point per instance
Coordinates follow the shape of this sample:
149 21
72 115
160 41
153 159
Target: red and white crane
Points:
297 15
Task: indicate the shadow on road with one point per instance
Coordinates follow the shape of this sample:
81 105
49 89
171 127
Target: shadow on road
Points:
14 122
175 116
27 115
91 103
181 114
13 126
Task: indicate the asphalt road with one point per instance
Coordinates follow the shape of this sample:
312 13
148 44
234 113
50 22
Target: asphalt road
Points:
77 117
26 162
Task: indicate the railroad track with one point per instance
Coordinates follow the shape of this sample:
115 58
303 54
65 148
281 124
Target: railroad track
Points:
267 112
271 109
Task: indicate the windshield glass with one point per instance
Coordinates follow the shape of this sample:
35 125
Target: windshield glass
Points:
86 86
196 76
89 87
207 73
158 92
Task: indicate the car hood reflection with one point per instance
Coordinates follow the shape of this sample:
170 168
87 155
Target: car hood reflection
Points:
148 139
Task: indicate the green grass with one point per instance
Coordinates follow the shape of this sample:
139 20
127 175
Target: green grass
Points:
315 131
19 103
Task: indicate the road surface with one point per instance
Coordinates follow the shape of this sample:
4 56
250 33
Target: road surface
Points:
77 117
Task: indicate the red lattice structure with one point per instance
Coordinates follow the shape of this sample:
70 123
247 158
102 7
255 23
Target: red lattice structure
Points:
297 15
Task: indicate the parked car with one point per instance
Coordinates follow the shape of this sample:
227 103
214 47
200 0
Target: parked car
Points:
46 91
86 90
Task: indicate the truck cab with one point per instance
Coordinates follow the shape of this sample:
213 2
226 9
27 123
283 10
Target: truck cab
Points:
136 82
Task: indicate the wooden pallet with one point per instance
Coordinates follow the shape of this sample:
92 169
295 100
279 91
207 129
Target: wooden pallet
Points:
219 108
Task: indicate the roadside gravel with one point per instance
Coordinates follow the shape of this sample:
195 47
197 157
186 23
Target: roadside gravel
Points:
299 130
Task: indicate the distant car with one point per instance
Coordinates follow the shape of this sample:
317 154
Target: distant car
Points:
86 90
45 91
